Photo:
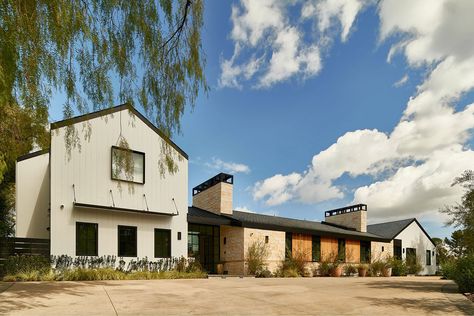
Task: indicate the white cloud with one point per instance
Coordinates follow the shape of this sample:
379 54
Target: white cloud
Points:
228 166
247 210
271 47
403 80
342 12
414 165
244 209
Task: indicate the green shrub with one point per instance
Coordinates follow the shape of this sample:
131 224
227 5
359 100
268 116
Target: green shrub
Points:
414 267
323 269
448 269
264 274
255 258
464 274
27 265
294 263
290 272
399 267
350 269
376 267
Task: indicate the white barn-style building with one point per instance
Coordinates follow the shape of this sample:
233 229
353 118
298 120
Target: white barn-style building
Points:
86 205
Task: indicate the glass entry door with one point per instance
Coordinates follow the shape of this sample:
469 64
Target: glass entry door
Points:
203 245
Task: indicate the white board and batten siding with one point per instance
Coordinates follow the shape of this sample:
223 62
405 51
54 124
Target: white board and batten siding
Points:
414 237
89 170
32 197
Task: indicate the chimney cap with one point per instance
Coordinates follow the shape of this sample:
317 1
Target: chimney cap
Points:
346 209
221 177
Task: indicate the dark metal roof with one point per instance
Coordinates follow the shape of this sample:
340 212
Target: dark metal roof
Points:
255 220
259 221
200 216
92 115
221 177
33 154
390 230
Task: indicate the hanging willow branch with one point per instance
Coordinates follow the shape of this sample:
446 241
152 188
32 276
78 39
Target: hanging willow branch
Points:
100 53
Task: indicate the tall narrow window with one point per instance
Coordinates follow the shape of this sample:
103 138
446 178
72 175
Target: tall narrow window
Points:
316 248
288 244
341 250
86 239
162 243
127 241
428 257
128 165
364 251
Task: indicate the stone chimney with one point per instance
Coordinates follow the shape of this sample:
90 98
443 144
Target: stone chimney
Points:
352 217
215 194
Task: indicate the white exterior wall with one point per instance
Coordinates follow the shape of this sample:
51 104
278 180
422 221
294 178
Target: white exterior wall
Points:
414 237
90 171
32 197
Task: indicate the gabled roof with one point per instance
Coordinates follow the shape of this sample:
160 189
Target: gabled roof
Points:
260 221
390 230
115 109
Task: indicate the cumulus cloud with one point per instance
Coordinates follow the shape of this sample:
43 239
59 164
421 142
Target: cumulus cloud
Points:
270 46
414 165
228 166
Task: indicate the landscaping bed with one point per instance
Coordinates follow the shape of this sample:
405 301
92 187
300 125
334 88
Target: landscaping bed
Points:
65 268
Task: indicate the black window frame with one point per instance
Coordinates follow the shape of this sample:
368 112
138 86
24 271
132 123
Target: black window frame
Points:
112 164
316 248
288 244
365 251
341 251
86 252
165 251
428 257
120 251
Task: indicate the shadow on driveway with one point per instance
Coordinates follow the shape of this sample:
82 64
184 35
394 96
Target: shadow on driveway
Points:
25 295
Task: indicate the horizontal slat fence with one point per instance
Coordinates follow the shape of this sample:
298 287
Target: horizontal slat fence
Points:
11 246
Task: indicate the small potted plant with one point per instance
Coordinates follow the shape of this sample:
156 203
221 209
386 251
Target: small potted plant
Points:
335 270
362 269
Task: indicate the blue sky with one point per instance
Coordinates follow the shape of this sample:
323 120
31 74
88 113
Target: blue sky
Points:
281 128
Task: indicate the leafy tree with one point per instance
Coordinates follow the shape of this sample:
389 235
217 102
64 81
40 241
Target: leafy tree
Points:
102 51
442 254
456 244
21 130
98 53
462 216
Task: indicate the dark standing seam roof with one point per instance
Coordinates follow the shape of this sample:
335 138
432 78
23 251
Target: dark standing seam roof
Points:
200 216
259 221
389 230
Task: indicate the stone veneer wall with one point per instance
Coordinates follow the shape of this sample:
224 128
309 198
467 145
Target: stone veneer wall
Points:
376 252
238 239
276 245
356 220
232 253
217 199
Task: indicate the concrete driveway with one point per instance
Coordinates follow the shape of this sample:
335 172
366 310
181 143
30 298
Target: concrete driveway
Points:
235 296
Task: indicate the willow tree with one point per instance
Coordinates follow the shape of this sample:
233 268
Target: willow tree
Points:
100 53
